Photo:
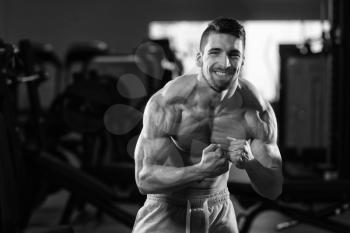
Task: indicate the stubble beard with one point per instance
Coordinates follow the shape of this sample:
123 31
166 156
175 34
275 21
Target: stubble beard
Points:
215 82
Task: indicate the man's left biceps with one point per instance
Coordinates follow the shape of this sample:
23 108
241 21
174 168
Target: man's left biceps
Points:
270 125
269 154
275 156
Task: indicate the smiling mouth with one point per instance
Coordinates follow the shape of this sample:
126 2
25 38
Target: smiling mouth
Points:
223 73
219 73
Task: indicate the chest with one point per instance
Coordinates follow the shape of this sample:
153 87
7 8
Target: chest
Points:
200 127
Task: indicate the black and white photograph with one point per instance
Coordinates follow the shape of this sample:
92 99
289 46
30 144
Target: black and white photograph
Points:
174 116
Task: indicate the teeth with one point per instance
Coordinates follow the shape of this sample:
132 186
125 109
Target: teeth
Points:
220 73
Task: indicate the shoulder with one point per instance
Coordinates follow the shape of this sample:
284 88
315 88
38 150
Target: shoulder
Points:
162 114
259 116
178 89
251 97
174 92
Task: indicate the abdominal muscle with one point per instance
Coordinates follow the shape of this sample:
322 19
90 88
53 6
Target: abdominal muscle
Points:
205 186
217 183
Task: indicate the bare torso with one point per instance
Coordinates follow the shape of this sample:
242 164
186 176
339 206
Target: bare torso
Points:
199 124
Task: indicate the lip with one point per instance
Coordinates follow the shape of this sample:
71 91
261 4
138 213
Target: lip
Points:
222 74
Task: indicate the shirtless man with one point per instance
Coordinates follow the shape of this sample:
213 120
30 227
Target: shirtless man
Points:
194 129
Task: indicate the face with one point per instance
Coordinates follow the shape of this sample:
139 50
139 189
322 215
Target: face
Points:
221 60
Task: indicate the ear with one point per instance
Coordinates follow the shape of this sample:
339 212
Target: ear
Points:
243 61
240 68
199 59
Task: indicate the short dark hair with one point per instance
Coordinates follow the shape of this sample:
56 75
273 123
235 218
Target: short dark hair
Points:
223 25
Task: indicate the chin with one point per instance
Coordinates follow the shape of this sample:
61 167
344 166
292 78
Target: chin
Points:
224 86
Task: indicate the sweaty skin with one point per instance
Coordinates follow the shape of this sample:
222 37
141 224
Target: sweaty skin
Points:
194 129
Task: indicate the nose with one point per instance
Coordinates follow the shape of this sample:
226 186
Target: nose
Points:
226 61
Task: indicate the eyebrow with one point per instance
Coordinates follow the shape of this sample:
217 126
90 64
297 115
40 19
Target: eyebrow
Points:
233 51
214 49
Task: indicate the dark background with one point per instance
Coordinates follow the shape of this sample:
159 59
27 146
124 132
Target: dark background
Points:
123 24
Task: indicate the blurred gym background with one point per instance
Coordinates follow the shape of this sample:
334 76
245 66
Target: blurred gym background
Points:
75 77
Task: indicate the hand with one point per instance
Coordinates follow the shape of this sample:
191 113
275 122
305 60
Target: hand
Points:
239 152
214 162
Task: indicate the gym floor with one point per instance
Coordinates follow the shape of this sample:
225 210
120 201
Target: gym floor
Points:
49 213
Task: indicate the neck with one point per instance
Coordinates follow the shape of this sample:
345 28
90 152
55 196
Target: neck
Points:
209 95
231 91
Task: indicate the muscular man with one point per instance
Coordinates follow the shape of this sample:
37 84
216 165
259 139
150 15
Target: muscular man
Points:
194 129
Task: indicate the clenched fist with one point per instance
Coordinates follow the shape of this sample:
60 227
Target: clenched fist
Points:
214 162
239 152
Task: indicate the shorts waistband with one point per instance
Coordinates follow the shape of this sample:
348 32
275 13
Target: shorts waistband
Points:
194 199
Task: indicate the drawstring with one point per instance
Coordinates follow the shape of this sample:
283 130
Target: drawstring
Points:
206 216
188 217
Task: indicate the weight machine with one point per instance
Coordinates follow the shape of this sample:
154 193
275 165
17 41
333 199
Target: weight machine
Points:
314 131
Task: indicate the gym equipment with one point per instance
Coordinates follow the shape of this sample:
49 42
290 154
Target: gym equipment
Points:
78 56
122 78
340 82
48 62
304 117
322 192
25 164
14 212
306 201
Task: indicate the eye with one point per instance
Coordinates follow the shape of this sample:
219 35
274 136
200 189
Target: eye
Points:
234 55
214 52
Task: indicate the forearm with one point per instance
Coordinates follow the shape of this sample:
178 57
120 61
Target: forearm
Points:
164 179
267 181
